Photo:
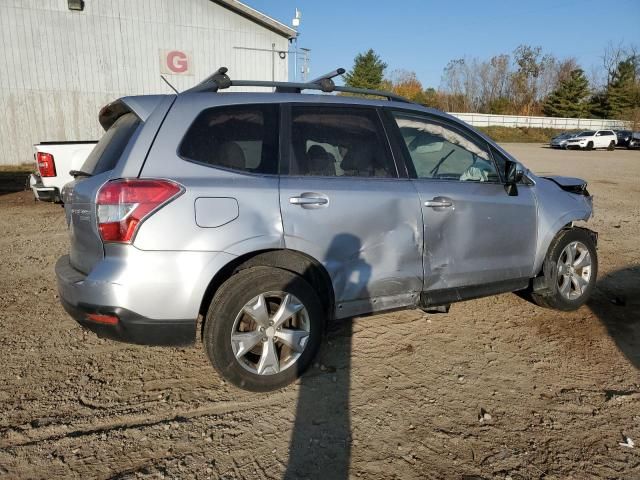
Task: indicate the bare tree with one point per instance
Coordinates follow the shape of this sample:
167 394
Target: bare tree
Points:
611 58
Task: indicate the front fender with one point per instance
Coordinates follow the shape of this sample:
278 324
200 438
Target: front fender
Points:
556 209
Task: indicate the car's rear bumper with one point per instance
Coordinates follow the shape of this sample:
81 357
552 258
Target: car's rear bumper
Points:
78 295
42 193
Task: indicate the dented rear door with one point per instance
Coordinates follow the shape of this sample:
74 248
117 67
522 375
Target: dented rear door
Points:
343 204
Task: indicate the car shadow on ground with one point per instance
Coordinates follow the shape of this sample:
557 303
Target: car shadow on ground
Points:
616 303
320 446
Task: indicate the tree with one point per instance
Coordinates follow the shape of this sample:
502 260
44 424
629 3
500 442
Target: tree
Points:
623 92
367 72
406 84
570 99
526 80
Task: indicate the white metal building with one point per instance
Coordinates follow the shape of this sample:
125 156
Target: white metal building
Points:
62 60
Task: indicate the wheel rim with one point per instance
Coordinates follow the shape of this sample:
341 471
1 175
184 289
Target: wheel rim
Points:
270 333
574 270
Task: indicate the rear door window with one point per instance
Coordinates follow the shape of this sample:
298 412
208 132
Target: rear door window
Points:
338 142
108 150
243 138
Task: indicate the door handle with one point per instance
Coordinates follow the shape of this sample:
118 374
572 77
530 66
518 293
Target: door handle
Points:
438 203
302 200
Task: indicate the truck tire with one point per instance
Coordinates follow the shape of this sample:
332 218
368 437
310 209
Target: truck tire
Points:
263 328
570 270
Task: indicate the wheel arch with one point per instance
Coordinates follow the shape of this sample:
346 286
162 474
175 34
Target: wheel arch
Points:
292 260
565 223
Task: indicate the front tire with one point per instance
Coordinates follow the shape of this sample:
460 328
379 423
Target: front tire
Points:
589 146
263 328
570 270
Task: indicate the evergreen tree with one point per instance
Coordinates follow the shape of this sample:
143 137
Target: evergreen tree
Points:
569 99
367 72
623 93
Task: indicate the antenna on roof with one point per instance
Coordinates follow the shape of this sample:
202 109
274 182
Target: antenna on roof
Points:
167 82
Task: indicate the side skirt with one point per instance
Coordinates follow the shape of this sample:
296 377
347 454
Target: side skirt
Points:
446 296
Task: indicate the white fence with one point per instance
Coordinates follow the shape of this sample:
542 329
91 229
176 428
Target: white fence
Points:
487 120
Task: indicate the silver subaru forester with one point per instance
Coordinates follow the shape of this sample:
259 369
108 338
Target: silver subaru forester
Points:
263 216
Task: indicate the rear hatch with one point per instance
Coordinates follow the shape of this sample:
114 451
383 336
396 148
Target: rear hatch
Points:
120 153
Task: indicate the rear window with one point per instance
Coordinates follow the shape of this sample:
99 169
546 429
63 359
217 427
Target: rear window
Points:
243 138
108 150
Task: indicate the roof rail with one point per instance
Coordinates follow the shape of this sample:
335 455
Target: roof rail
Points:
221 81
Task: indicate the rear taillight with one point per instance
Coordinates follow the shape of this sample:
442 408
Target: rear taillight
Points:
46 164
124 204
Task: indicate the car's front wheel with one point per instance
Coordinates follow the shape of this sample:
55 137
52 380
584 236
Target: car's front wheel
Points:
589 146
570 270
263 328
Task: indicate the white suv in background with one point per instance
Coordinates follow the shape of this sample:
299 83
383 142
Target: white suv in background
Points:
591 139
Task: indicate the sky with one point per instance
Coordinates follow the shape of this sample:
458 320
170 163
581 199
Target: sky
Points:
422 36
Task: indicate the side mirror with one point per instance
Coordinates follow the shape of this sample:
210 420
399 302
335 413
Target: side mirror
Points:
513 175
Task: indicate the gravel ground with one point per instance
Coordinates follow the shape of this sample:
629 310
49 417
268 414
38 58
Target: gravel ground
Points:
497 388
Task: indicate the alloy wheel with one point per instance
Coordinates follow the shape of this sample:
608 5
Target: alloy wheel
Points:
270 333
574 270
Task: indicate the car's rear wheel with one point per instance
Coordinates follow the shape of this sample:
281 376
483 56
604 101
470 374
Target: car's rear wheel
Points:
570 270
590 146
612 146
263 328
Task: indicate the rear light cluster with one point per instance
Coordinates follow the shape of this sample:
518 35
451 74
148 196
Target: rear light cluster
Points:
124 204
46 164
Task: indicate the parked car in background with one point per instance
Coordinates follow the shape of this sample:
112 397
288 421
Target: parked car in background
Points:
623 137
560 141
271 214
54 161
592 139
634 141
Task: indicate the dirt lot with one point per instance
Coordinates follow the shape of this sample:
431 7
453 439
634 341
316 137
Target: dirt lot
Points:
401 395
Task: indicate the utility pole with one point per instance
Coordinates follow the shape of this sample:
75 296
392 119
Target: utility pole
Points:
296 24
305 63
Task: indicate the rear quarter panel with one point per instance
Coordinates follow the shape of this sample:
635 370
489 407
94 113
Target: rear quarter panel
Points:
255 222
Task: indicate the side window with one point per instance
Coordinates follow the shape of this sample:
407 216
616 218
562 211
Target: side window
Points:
442 153
338 142
237 137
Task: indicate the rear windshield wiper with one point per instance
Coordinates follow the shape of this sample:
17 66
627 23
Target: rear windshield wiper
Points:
79 173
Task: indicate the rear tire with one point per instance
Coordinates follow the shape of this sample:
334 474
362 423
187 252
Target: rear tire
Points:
612 146
263 328
570 270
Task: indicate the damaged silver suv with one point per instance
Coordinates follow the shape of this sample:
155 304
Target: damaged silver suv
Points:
259 217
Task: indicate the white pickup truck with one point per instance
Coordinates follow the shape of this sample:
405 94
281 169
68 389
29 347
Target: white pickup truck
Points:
54 161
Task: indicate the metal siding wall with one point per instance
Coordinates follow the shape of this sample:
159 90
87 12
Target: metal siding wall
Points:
60 67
